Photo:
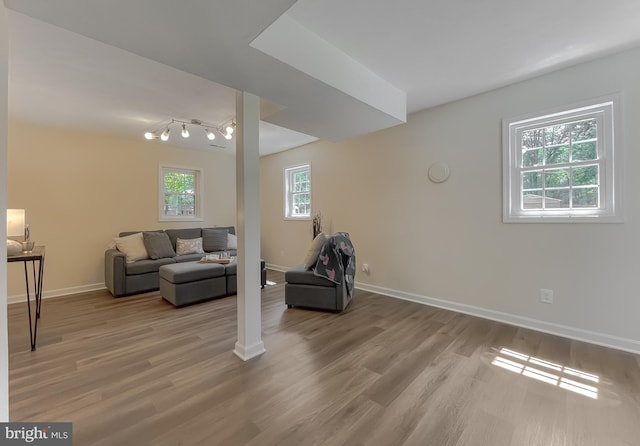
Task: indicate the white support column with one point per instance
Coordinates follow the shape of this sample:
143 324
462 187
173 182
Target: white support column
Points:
249 342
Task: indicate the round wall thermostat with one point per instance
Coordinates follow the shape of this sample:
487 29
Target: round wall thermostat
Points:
439 172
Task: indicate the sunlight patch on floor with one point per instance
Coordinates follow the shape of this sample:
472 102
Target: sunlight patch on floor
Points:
548 372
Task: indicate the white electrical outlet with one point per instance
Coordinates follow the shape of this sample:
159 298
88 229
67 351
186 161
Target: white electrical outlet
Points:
546 296
365 268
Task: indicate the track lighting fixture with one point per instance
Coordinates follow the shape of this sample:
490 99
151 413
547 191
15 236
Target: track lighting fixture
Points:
163 131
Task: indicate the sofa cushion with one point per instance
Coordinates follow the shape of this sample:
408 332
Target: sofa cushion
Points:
132 246
158 245
147 266
314 250
301 275
229 229
214 239
232 241
187 233
231 269
189 246
188 257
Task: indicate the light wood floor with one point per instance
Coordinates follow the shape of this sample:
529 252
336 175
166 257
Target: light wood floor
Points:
136 371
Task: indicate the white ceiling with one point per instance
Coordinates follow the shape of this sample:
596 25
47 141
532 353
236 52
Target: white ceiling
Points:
439 51
63 79
328 68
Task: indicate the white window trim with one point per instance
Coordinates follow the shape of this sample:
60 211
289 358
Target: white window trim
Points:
608 108
285 176
199 208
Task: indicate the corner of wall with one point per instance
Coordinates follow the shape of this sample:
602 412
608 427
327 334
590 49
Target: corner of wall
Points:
4 104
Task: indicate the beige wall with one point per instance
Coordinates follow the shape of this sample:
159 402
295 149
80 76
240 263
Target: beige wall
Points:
445 244
80 189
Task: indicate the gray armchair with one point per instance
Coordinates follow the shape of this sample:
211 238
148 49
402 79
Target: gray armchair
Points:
326 280
305 289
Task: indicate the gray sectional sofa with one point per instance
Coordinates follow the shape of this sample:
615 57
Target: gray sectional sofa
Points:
124 278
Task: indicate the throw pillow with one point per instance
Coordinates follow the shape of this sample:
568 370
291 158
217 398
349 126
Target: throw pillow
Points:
189 246
158 245
214 239
133 246
232 241
185 233
314 251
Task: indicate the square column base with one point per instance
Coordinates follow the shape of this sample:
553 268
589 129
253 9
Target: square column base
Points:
245 353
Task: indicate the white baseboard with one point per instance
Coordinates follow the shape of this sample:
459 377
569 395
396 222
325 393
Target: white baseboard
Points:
59 292
579 334
282 269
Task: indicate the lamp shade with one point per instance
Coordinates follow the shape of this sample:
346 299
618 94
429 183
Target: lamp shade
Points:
15 222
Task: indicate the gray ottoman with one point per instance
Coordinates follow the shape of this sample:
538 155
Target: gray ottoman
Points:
191 282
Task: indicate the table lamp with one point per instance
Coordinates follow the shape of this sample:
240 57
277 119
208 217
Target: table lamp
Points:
15 228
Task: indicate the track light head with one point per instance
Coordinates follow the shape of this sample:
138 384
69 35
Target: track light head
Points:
185 132
165 135
229 130
150 135
210 135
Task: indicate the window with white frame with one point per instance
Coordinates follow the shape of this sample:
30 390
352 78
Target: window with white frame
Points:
559 167
180 193
297 192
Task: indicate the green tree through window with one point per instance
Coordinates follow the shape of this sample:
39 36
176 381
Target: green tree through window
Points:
559 167
180 190
179 193
557 149
298 192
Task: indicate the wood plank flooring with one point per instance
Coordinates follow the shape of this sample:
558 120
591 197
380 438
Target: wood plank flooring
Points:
137 371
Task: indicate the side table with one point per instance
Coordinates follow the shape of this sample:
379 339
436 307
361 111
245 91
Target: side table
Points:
37 255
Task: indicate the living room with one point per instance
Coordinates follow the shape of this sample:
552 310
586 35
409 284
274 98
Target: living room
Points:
443 244
454 239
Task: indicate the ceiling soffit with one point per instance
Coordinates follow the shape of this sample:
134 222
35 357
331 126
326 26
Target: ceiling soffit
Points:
212 40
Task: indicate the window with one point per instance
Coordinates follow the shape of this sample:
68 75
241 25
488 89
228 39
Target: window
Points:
297 192
180 193
560 167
